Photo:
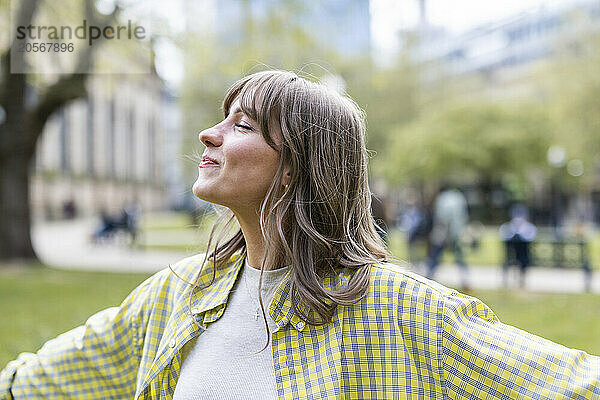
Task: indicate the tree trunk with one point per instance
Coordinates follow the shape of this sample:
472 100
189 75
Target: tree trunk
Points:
15 225
23 125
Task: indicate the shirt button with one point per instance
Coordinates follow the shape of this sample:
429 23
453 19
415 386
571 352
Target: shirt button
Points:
172 343
300 325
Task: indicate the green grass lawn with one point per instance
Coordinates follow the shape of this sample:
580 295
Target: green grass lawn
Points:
175 231
41 303
572 320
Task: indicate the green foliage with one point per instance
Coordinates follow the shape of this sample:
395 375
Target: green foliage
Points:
572 84
388 97
471 129
480 140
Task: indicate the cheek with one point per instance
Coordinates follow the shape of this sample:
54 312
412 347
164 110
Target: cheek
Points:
254 164
254 155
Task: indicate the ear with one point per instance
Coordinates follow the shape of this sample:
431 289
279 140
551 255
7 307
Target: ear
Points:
287 175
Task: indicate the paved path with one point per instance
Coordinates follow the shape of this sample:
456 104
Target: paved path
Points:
66 244
538 279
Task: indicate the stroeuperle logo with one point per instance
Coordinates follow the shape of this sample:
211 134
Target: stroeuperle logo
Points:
83 31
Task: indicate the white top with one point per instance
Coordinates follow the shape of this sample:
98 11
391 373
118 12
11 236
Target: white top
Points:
222 362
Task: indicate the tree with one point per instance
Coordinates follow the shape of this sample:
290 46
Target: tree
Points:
573 91
482 141
25 117
389 98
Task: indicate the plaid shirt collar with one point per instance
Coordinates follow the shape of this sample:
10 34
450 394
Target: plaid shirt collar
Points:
211 301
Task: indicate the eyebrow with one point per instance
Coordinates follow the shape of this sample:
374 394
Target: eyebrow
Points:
236 110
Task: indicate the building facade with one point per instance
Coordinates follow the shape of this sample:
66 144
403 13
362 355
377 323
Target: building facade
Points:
104 151
512 42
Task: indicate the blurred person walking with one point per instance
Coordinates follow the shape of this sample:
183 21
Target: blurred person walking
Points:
450 217
416 222
517 234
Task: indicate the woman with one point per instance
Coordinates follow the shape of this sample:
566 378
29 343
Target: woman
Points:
289 162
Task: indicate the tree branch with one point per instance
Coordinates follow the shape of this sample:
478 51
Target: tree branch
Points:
68 87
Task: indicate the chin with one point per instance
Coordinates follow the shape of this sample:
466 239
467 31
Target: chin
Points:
204 193
199 191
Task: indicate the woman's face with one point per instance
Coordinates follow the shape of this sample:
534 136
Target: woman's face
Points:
237 166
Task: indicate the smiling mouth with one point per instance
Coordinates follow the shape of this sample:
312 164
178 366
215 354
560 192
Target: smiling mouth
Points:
208 162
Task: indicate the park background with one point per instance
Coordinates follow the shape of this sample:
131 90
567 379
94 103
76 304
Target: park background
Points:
500 100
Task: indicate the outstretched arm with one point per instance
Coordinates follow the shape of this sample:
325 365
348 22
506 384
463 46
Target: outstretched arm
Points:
484 358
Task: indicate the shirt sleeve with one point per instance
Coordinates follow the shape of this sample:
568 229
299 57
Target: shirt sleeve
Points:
484 358
98 360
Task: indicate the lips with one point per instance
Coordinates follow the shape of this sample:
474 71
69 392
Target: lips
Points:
208 162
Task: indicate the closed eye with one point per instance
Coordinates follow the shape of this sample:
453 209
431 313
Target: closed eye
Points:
244 126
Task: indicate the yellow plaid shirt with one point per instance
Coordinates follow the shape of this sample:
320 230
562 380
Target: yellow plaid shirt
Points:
410 338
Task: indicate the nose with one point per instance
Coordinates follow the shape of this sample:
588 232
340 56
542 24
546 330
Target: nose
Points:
211 137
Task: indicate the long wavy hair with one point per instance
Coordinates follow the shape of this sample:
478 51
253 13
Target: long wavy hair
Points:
322 220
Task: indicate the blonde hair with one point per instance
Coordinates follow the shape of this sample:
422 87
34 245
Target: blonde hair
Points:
322 220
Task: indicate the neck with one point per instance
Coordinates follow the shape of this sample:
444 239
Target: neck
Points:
255 244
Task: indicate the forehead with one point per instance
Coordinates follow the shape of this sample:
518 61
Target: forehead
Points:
259 95
235 108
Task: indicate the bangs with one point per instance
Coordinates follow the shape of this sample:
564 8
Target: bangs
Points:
260 97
